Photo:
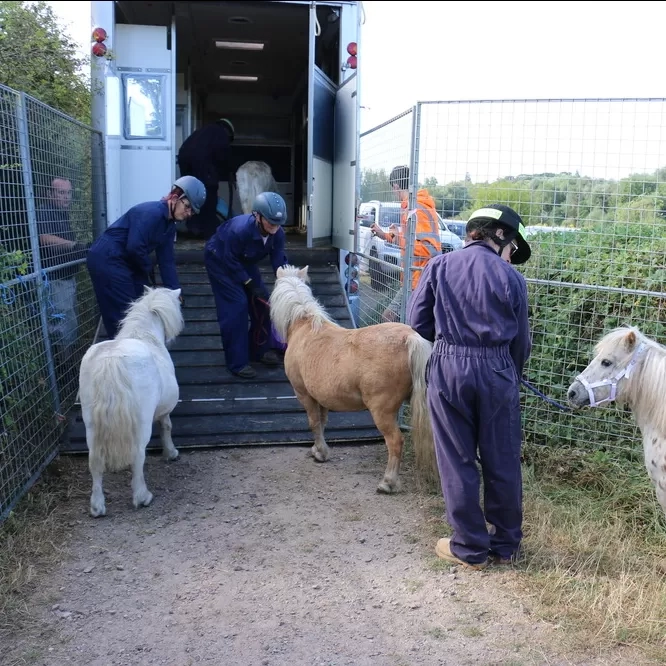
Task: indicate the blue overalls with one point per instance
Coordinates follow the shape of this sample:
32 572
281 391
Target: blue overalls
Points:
119 261
231 257
473 305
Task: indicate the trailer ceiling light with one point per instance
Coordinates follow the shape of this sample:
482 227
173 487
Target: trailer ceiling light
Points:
239 46
236 77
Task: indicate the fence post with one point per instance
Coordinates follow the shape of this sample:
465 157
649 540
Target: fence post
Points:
98 189
29 194
411 218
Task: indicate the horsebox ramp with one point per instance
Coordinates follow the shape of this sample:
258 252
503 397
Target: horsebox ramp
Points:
217 409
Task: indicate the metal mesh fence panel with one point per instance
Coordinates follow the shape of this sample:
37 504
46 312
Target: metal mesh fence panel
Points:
51 203
588 178
380 260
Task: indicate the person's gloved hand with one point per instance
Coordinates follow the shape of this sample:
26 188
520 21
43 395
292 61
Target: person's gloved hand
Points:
255 291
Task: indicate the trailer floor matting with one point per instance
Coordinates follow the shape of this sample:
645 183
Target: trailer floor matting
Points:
217 409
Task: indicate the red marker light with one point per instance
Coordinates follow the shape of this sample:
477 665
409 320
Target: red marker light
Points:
99 35
99 49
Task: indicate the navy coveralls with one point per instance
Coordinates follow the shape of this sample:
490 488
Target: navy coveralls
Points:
231 258
206 155
119 261
473 305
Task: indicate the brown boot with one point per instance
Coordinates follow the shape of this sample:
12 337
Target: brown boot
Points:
443 550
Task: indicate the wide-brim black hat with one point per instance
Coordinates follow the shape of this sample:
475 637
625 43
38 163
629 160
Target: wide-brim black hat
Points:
507 217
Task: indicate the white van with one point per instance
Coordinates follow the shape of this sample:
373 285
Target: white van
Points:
386 213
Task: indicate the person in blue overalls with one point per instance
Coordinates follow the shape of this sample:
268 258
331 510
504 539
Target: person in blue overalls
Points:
473 305
231 257
120 261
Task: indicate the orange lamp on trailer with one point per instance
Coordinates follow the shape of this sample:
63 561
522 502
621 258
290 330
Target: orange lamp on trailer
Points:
99 36
352 61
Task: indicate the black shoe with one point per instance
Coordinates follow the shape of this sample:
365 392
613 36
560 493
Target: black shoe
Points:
270 358
247 372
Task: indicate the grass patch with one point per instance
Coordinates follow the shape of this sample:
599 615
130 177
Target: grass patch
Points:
32 538
595 548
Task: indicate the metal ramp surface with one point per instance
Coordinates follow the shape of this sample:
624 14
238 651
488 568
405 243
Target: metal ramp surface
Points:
217 409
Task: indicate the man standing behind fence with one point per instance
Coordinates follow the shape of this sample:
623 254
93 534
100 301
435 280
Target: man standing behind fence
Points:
58 245
427 242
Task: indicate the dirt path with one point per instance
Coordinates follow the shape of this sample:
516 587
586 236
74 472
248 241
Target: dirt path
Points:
262 557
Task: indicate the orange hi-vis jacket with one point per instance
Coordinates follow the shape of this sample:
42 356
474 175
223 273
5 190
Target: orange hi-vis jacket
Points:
427 243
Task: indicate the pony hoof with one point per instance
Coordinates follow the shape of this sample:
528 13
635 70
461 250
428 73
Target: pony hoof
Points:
97 510
386 488
173 458
143 500
318 455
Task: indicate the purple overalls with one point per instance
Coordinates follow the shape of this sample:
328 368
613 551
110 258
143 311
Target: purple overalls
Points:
473 305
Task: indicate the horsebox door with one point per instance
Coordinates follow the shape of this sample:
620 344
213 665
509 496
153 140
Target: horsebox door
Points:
144 66
345 163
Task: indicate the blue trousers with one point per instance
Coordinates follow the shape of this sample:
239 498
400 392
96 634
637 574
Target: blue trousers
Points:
233 309
115 283
474 400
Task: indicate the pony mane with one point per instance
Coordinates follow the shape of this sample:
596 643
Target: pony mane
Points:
645 389
158 302
292 300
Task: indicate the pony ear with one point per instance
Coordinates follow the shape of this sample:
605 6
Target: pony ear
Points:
303 273
630 340
146 289
279 272
177 292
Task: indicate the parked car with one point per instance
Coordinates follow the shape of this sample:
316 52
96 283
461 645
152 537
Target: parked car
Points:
385 214
457 227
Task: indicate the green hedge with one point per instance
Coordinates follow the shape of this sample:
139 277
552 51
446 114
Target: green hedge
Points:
568 320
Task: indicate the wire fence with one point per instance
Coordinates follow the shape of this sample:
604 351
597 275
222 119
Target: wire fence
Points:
379 261
51 207
588 178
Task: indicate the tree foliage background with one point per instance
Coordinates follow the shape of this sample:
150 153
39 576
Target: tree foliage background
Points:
37 57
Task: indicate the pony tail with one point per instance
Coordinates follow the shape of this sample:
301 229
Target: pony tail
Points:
114 415
418 353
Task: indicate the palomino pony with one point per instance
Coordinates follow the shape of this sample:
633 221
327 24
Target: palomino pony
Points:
125 385
630 368
253 178
332 368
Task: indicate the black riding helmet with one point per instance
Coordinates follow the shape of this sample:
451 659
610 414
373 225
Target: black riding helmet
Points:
508 218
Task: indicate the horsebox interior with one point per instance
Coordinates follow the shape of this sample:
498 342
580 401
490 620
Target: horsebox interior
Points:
220 43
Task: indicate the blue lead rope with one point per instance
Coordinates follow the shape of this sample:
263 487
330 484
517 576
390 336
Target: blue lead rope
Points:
536 391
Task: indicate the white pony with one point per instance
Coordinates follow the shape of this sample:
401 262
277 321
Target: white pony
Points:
630 369
126 384
253 178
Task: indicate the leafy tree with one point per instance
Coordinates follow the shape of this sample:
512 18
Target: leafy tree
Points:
38 58
375 185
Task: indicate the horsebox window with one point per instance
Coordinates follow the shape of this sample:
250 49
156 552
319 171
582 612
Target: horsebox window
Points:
144 106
